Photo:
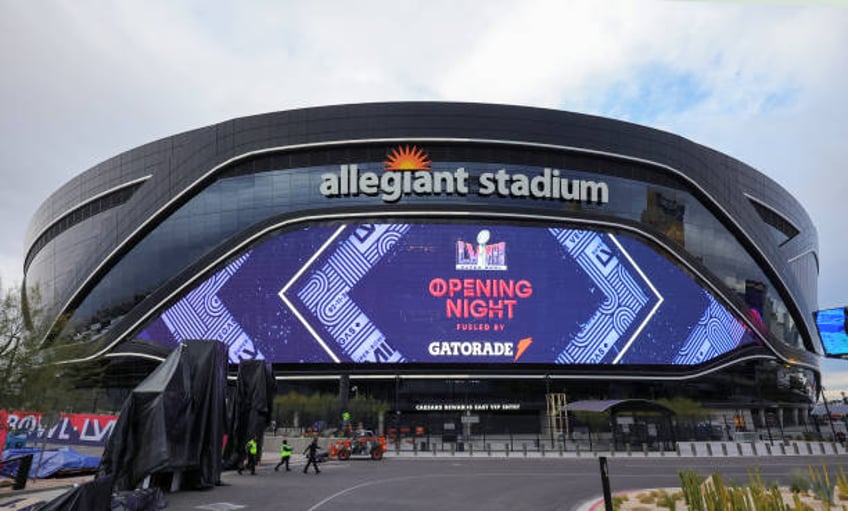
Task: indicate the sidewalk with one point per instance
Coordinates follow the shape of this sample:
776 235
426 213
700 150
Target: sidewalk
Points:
37 491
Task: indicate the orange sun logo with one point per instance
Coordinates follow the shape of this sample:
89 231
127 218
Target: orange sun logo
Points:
407 158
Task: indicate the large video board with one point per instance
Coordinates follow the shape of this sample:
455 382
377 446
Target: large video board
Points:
833 329
449 293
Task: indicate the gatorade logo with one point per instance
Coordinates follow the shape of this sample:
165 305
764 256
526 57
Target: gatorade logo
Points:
479 348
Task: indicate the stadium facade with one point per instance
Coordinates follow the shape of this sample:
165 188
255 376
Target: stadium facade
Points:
450 258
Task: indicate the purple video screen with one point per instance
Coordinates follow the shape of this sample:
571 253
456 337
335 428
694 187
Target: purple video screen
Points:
451 293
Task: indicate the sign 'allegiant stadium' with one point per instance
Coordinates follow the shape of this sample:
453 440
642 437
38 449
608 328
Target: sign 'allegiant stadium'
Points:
391 185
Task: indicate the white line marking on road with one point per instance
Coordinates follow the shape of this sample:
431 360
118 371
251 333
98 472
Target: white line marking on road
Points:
221 506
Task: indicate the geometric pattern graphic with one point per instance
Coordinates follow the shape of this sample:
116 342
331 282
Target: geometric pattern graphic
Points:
717 332
202 315
623 300
326 293
387 293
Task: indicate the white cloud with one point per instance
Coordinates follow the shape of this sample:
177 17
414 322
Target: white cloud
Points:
835 378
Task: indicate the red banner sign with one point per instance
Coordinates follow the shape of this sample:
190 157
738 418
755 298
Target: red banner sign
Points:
72 429
2 429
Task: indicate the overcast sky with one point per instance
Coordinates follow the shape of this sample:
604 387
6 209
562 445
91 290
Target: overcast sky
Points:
765 82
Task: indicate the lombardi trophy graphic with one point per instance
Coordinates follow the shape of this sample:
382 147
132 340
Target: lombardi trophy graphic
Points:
482 238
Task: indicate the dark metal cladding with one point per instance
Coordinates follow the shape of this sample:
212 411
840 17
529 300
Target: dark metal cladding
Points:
163 170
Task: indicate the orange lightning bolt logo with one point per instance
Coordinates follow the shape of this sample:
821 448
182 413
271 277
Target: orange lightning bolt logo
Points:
523 344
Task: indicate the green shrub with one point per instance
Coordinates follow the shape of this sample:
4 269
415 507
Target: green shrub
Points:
842 484
325 407
666 500
715 493
617 501
690 485
645 498
821 486
799 482
738 499
800 506
755 485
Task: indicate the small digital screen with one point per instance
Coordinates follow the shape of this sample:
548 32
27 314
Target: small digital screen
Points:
832 329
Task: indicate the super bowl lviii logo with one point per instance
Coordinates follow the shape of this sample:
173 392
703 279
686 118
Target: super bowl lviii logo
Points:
481 255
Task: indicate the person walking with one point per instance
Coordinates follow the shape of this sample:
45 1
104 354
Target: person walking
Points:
250 449
285 454
311 452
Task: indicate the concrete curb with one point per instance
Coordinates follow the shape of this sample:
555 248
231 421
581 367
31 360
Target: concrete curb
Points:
28 491
590 505
25 497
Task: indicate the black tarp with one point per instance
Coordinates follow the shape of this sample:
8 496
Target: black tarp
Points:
173 422
150 499
249 409
94 495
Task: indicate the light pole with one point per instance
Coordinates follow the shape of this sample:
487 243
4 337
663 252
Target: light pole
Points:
552 414
827 410
397 411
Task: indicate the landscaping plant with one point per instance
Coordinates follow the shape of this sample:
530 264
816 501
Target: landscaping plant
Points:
842 484
821 486
690 484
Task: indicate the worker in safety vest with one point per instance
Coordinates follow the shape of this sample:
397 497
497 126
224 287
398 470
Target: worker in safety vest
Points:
250 449
285 454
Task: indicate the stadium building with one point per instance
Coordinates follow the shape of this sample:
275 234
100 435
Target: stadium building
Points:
452 259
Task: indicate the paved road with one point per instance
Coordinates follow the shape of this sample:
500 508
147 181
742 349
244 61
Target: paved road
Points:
461 484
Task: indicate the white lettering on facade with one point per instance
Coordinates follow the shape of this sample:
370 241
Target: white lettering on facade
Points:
391 186
465 407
